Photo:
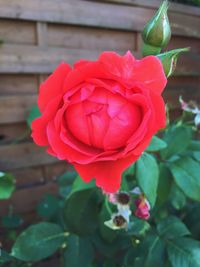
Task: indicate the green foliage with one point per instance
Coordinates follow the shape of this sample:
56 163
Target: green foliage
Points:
81 211
186 174
7 185
79 252
156 144
178 139
147 174
38 242
33 114
184 252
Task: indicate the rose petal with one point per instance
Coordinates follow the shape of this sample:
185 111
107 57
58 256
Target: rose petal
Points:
149 71
53 86
39 125
106 173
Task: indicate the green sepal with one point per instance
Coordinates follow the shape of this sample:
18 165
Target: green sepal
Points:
169 60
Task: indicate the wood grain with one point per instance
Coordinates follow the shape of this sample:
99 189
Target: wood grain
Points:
16 108
24 155
32 59
90 38
17 32
12 84
85 13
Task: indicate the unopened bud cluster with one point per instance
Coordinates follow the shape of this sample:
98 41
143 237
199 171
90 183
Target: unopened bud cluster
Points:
121 219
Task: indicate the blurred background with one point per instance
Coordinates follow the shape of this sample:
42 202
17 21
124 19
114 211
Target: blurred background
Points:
36 35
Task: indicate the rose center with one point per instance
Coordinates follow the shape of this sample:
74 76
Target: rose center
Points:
104 120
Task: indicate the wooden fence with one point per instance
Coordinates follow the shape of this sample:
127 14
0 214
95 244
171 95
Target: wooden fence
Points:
36 35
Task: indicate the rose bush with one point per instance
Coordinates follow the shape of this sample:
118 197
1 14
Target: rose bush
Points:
101 115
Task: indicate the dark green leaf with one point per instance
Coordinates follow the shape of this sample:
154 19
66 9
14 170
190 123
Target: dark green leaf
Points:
39 241
177 197
138 227
184 252
156 144
147 176
33 114
194 145
79 252
196 155
5 257
186 174
152 251
82 210
48 207
178 139
65 182
172 227
164 184
12 221
130 170
79 185
7 185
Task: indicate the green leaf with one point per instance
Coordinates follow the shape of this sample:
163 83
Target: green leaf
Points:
156 144
196 155
130 170
169 60
12 221
138 227
5 257
178 139
48 207
177 197
184 252
79 252
7 185
65 182
152 251
79 185
171 228
33 114
192 219
194 145
81 211
39 241
186 174
164 184
147 176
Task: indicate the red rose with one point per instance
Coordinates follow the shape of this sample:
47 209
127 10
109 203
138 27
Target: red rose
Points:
101 115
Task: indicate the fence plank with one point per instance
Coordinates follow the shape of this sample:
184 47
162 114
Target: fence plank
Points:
90 38
181 8
11 133
26 200
32 59
15 108
23 155
12 84
25 31
85 13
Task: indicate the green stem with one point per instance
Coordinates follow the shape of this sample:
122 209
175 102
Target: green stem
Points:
108 206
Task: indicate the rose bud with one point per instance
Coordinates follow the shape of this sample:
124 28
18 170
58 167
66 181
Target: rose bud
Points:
101 115
143 208
157 32
169 60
